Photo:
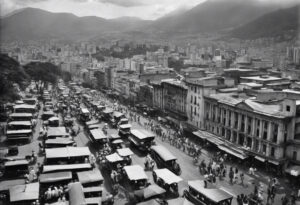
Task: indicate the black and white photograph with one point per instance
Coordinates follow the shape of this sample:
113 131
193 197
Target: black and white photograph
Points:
149 102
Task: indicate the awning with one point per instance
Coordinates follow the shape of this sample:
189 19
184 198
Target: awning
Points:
293 170
232 152
260 158
199 134
274 162
209 137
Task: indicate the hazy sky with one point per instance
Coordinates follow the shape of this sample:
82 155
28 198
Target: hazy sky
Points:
145 9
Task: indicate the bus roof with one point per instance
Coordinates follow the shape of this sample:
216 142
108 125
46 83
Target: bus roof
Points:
59 141
26 123
135 172
124 152
86 177
114 158
20 115
5 185
13 132
163 152
214 194
140 135
97 134
16 163
67 152
25 192
168 176
125 126
66 167
57 131
55 177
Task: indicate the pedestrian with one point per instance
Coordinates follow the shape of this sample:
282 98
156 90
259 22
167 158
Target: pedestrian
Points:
242 178
231 175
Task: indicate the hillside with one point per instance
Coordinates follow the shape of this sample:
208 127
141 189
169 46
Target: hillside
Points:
32 24
212 16
11 72
282 23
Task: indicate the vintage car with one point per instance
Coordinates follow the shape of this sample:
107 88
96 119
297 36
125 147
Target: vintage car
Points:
167 180
202 192
165 159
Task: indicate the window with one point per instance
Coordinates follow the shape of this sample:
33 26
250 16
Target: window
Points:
275 132
288 108
264 149
294 155
249 125
272 152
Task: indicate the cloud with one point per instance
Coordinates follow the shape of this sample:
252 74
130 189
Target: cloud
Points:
124 3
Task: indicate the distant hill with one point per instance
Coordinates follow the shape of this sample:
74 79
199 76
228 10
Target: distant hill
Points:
239 18
282 23
213 15
32 24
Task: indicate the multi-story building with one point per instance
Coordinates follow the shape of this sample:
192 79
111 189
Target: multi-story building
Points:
259 127
170 95
197 89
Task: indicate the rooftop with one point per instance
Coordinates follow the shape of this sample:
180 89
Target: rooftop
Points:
262 78
235 99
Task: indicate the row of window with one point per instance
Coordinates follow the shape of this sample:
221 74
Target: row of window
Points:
232 119
242 140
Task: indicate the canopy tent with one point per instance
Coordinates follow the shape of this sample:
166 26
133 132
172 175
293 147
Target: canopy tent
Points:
168 176
135 172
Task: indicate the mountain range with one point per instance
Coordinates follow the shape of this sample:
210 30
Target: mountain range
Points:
240 19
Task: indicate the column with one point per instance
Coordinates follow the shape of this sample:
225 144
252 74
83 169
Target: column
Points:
261 129
239 121
270 131
280 136
246 125
227 118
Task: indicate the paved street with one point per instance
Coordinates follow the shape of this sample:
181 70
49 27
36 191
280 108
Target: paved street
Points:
189 170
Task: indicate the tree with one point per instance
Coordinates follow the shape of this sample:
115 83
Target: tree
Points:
46 72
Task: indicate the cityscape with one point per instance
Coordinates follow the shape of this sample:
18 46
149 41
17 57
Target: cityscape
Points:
160 102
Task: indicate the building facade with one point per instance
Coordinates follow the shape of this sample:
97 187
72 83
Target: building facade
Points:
261 129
